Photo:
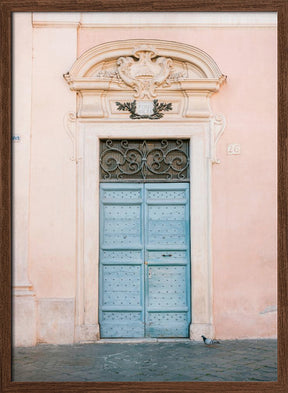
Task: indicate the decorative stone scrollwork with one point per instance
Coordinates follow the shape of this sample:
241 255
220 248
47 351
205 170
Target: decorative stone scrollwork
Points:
70 128
218 126
144 75
151 69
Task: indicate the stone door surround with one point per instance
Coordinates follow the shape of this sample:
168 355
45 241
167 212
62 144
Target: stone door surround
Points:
121 87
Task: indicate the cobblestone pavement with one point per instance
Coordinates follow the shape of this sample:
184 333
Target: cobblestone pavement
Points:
243 360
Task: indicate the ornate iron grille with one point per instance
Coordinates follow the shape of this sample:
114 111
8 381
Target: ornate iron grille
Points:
164 160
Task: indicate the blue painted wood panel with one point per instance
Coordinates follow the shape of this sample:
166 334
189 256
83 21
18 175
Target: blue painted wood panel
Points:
144 260
121 308
167 274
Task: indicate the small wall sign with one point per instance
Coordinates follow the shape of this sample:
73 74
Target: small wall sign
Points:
233 148
144 108
16 138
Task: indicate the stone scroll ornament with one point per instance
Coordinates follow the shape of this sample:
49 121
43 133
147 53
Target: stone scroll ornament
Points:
145 71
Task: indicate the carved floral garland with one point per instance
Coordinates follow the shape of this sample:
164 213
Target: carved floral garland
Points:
157 109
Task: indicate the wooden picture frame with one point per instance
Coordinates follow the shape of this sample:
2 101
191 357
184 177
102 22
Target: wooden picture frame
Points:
7 8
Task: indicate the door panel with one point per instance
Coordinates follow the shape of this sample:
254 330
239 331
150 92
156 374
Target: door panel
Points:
144 260
167 312
121 260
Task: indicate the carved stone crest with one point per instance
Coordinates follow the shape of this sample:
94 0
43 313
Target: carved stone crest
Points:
145 74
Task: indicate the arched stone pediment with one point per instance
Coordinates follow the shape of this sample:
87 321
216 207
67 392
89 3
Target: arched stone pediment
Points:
144 70
111 51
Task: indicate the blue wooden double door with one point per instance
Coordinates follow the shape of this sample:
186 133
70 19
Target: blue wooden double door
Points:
144 260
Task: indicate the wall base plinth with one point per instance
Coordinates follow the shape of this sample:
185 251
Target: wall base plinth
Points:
89 333
56 320
24 317
199 329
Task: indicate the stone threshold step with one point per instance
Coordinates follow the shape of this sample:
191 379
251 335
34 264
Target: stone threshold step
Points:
141 340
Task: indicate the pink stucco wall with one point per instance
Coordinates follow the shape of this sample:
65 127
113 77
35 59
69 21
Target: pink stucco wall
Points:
52 177
243 186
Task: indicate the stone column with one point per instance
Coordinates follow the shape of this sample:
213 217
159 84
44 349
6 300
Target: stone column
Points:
88 265
201 266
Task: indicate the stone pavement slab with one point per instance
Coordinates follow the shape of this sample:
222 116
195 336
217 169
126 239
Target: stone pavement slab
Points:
166 361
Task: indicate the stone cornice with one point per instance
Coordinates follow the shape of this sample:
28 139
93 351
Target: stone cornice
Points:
211 85
154 19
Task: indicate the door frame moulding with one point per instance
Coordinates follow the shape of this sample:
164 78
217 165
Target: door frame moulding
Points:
190 78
